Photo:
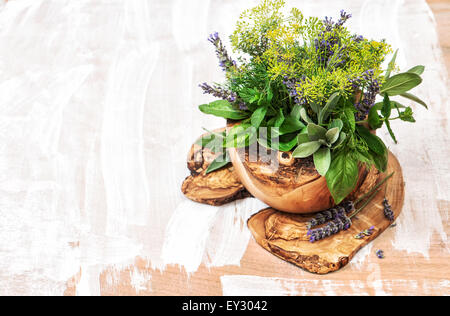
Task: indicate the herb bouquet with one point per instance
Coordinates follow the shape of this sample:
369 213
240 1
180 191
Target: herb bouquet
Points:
307 88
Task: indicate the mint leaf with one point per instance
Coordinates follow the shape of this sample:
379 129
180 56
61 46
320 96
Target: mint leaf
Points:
373 141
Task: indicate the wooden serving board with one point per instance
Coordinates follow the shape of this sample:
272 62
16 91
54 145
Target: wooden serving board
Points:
284 234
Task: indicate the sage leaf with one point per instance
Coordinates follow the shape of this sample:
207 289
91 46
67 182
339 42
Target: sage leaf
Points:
322 160
304 115
306 149
223 108
342 137
417 70
258 116
315 107
302 138
316 132
218 163
391 65
373 141
325 111
337 123
400 83
374 119
332 135
342 176
412 97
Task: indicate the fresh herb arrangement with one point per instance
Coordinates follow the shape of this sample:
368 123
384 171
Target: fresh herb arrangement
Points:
312 85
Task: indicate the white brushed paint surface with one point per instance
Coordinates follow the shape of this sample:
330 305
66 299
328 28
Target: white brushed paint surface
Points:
98 110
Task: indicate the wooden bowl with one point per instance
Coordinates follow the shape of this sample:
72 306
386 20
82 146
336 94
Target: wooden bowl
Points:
285 183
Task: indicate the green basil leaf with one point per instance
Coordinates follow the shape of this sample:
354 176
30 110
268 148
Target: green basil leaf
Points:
373 141
258 116
316 132
387 107
287 144
218 163
325 111
306 149
391 65
342 176
417 70
414 98
279 119
380 161
322 160
290 125
388 125
332 135
400 83
223 108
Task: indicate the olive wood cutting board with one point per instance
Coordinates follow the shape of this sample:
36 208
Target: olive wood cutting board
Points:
285 235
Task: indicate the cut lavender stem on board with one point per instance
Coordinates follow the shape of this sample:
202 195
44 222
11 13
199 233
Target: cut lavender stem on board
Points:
388 213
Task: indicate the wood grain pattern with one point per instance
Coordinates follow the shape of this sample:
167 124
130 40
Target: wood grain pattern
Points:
216 188
284 235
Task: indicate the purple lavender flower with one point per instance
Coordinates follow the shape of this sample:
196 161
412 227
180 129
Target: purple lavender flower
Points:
225 61
388 213
371 90
365 233
292 86
325 216
328 40
332 228
380 254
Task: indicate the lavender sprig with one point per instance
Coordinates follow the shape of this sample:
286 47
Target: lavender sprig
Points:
388 213
225 60
365 233
218 92
332 228
327 215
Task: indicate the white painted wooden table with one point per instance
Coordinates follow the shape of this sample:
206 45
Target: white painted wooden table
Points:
97 112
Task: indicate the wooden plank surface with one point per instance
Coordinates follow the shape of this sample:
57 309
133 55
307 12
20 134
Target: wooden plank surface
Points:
97 111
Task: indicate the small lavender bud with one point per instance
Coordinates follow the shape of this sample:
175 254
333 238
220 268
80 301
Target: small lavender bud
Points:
388 213
380 254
